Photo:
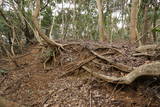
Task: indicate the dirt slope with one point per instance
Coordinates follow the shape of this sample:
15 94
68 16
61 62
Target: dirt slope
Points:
32 86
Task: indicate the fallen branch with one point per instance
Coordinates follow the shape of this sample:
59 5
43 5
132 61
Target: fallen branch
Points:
79 65
151 69
142 54
117 65
112 48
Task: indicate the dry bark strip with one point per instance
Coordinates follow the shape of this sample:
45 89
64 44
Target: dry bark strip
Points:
152 69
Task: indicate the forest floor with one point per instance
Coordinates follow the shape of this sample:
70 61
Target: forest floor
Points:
33 86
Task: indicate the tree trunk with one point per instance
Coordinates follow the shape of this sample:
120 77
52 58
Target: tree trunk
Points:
102 32
37 27
51 30
154 23
133 21
145 26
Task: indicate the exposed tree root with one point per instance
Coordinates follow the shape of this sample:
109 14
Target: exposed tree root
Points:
146 48
151 69
112 48
117 65
78 65
53 45
50 42
142 54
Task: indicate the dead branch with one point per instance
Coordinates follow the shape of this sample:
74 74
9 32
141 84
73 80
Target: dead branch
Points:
151 69
77 66
74 66
112 48
117 65
101 64
142 54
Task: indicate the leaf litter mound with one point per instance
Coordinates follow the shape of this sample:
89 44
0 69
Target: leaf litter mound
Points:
66 82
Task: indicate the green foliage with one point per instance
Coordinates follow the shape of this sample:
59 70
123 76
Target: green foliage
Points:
156 29
47 17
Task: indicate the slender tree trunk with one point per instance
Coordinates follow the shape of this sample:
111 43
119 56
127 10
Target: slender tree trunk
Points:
154 23
63 25
39 32
74 20
133 20
102 32
13 40
145 26
51 30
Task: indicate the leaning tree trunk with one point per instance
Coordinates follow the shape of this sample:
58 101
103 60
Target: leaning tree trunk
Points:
133 20
102 32
36 24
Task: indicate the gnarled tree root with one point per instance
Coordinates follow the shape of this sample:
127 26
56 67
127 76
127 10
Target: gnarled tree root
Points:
146 48
152 69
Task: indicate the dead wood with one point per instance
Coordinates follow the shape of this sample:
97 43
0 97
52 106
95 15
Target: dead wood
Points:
74 66
102 64
142 54
78 65
117 65
146 48
151 69
112 48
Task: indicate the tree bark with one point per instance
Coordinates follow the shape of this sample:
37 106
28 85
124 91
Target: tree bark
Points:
145 26
133 21
36 24
151 69
102 31
154 23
